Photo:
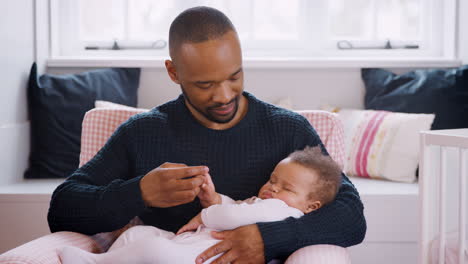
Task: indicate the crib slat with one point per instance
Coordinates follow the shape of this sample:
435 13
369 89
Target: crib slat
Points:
424 208
443 182
462 209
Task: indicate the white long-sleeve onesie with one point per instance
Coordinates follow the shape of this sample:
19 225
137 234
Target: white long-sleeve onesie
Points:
148 244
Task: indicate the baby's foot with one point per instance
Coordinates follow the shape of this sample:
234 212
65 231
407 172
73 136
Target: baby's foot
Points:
74 255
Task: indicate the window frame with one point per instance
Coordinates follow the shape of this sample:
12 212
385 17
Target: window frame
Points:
442 55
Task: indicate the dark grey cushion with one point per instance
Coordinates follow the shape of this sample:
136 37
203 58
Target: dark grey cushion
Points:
57 104
440 91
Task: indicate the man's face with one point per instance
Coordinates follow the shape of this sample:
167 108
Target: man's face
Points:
211 77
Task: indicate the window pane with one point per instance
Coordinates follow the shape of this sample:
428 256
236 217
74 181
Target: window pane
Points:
351 18
101 20
375 19
150 19
398 19
276 19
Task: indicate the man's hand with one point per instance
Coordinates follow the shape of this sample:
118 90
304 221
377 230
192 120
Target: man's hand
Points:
208 195
193 224
172 184
241 245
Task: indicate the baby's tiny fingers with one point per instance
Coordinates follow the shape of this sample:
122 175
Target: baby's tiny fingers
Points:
181 230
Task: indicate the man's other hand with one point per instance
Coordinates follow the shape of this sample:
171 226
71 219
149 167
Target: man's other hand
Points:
241 245
172 184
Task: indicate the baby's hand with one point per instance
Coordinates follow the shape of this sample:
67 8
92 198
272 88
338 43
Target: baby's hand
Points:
208 195
191 225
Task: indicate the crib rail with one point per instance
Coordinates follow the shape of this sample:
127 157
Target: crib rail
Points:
456 138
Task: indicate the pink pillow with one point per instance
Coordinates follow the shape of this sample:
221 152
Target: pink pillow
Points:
383 145
98 125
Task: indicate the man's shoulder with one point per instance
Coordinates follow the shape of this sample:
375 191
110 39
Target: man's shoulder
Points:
159 115
153 116
278 116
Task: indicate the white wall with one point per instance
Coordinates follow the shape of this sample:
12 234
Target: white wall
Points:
463 31
307 88
16 56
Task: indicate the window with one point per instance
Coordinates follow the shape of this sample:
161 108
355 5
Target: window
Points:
267 28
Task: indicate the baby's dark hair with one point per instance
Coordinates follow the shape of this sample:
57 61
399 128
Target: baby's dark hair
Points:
329 180
197 24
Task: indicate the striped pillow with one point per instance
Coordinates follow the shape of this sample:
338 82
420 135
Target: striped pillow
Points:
382 144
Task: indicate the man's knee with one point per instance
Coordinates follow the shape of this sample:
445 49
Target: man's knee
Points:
320 254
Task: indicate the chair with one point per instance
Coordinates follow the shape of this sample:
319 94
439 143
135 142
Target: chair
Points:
98 126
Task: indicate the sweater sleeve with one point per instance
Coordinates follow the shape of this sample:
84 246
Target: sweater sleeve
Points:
231 216
340 223
100 196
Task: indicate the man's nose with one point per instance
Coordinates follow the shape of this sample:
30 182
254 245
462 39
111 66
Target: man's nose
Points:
223 93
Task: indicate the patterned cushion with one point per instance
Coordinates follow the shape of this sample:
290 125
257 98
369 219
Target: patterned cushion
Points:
382 144
330 130
100 123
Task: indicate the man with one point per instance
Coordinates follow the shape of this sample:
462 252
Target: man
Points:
153 165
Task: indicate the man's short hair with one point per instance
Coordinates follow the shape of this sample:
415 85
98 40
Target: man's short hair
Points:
329 173
197 24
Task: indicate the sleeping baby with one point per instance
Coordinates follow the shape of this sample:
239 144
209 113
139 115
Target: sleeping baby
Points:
303 182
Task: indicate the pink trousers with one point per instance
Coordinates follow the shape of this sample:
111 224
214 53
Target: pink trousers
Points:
148 244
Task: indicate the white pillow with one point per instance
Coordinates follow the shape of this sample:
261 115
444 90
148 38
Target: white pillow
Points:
382 144
111 105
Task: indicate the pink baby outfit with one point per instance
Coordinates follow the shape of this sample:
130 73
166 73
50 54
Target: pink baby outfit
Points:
148 244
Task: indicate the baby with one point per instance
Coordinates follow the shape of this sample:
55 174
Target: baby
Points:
303 182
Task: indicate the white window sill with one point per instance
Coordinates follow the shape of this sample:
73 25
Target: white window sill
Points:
268 63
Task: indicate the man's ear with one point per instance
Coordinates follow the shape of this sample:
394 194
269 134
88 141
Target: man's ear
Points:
171 71
312 206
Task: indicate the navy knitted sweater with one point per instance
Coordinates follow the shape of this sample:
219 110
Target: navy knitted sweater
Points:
104 194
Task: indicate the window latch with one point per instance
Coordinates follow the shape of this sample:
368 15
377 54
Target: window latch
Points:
348 45
158 44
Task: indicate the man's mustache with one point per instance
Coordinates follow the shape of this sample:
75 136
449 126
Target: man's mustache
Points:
221 105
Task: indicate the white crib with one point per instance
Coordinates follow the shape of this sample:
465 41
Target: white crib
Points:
442 195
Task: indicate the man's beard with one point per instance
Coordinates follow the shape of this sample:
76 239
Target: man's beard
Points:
207 114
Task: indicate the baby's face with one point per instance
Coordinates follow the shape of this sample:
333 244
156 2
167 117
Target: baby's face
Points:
291 183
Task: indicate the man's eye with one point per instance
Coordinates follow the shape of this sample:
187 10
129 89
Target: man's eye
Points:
204 85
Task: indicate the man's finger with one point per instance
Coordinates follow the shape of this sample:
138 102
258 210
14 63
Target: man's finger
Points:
221 247
219 235
189 184
183 172
185 196
229 257
172 165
